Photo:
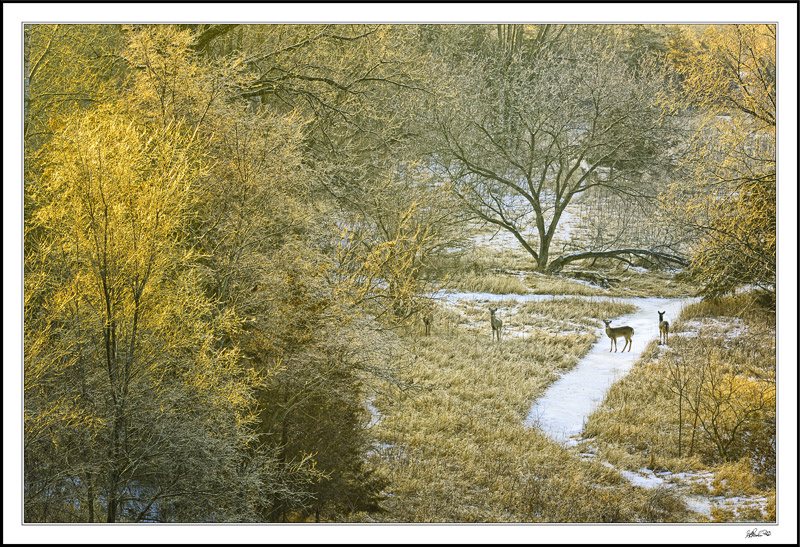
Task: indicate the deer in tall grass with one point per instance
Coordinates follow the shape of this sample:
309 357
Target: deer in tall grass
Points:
663 328
427 320
616 332
497 324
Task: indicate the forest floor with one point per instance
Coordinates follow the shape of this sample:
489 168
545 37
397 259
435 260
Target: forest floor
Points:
563 410
469 442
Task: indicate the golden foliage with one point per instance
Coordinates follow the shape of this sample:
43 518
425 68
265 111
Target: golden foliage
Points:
728 195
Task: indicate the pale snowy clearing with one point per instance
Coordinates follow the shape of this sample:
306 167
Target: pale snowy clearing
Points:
563 410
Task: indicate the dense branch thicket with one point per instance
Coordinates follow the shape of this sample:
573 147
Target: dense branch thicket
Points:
197 346
727 194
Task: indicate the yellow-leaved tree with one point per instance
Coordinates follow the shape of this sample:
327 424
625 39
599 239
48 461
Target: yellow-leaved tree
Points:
134 410
727 195
123 405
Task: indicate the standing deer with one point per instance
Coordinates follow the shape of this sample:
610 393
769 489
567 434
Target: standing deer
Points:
497 324
663 328
427 319
616 332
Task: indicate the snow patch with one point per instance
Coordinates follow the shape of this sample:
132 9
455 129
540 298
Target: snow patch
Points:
644 478
375 414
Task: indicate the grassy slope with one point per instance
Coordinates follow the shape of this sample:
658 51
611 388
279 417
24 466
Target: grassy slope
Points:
456 450
637 425
504 271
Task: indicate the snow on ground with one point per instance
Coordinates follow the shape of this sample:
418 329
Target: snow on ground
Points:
685 485
644 478
562 412
453 297
729 328
564 408
374 413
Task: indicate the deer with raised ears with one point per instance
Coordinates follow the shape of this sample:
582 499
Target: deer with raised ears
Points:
616 332
497 324
427 320
663 328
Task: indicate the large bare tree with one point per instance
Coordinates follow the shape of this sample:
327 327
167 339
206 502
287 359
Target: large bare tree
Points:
530 127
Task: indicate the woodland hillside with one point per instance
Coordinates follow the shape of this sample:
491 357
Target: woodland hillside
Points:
247 249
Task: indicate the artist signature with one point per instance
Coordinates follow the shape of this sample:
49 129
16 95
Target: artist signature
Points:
755 533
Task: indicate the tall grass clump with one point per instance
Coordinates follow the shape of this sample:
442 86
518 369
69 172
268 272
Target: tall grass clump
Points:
488 283
582 311
562 285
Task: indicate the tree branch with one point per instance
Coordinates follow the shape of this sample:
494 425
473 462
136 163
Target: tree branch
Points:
207 35
618 254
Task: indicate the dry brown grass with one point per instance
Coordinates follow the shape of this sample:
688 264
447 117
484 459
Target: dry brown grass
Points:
508 275
489 283
650 283
624 282
745 306
562 285
456 449
637 425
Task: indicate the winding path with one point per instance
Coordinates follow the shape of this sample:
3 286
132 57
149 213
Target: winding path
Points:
562 412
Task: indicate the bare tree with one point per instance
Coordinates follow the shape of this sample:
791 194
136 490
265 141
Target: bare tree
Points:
529 129
679 379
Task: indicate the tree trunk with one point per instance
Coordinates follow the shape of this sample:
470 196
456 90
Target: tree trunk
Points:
544 255
114 473
111 513
654 257
680 421
90 497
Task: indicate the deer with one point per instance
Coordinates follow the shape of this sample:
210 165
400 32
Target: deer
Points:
427 319
616 332
497 324
663 328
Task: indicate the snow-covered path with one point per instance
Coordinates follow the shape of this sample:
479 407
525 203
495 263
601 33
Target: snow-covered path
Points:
561 413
